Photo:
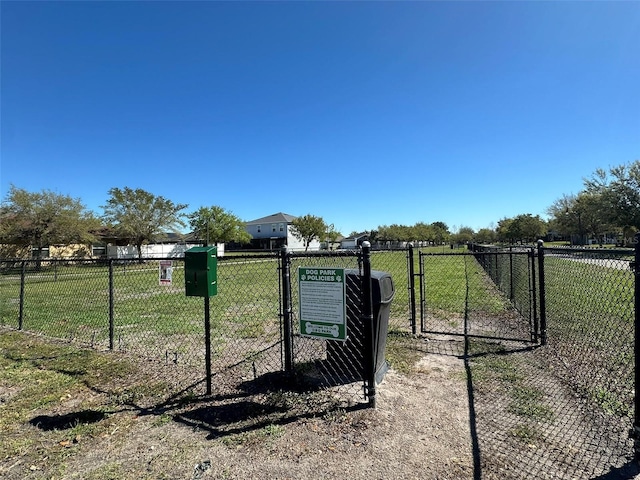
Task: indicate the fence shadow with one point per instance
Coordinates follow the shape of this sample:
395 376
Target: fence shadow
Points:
275 398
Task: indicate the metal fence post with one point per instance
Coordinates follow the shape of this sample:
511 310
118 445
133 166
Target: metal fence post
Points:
412 289
533 291
511 288
285 272
207 342
369 327
23 273
636 349
423 295
111 307
543 310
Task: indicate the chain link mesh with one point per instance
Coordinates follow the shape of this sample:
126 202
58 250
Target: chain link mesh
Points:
473 294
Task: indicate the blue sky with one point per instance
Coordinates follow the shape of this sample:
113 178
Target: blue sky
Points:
364 113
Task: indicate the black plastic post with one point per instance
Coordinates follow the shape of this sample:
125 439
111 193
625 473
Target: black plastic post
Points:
287 337
543 310
636 350
23 274
111 307
369 327
412 289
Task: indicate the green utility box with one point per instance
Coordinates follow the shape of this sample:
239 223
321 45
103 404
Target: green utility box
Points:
201 272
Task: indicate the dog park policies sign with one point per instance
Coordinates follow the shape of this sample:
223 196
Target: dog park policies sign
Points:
322 303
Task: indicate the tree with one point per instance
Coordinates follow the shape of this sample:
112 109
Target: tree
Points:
463 235
562 218
332 236
580 215
40 219
522 228
309 228
422 232
618 192
217 225
504 231
440 232
485 235
141 217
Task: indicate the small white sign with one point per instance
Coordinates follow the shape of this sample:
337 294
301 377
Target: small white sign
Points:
166 272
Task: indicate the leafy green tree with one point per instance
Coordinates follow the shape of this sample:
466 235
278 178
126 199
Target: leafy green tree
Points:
309 228
532 227
485 235
585 214
216 225
440 233
505 232
422 232
522 228
398 233
463 235
618 192
141 217
562 218
332 236
40 219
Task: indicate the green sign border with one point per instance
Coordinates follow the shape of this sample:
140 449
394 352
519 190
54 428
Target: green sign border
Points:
333 330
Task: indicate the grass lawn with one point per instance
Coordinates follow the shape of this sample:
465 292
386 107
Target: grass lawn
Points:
589 307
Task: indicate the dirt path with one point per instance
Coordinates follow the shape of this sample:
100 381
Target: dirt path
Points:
499 412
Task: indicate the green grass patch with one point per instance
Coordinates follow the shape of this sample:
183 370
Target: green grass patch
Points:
37 380
261 437
401 352
499 373
526 432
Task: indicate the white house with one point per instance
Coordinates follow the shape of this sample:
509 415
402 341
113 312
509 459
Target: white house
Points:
156 250
354 241
275 231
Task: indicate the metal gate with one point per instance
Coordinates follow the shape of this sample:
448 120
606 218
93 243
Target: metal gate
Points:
479 294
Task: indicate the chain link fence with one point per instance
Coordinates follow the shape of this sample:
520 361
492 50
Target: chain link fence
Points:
564 409
128 307
547 335
477 294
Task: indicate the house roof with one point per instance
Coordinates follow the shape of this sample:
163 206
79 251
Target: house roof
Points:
275 218
357 236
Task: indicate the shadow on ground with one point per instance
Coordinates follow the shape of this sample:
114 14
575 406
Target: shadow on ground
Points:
526 423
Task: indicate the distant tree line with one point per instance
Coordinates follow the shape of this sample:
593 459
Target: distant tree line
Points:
134 216
607 208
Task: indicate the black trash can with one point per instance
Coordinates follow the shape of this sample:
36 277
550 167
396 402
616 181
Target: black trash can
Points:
347 358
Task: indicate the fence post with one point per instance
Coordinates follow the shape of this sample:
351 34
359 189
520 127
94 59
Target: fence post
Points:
511 288
412 289
533 291
285 271
423 294
367 316
23 273
207 342
636 350
111 307
543 309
